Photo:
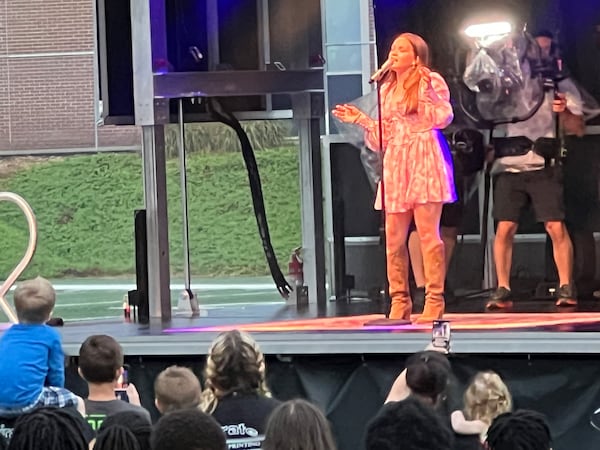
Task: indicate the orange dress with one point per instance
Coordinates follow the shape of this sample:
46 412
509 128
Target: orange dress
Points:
417 164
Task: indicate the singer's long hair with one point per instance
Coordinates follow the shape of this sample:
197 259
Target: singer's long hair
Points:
411 82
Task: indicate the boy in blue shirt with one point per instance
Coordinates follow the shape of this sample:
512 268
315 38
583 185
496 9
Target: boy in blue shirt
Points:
32 372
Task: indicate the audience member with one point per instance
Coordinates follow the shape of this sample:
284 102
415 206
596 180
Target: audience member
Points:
101 365
428 376
485 399
51 428
187 429
298 425
519 430
126 430
236 392
176 388
410 424
32 371
425 376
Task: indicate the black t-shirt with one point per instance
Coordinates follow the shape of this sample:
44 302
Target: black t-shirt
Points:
466 442
243 418
97 411
6 428
452 400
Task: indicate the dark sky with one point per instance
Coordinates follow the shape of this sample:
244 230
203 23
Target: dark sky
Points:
575 23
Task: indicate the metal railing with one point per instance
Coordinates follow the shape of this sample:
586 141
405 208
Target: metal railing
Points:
26 259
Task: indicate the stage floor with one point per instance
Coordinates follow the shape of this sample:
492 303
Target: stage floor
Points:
346 327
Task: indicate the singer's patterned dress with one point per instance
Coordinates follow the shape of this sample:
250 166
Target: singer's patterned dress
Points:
417 165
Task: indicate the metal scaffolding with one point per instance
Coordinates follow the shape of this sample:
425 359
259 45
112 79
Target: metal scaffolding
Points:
152 93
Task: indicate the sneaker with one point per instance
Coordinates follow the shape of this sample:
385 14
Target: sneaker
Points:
566 296
500 299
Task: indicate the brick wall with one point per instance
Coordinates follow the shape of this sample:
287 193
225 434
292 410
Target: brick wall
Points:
47 77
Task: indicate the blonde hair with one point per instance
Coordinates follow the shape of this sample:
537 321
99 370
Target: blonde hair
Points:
34 300
487 397
235 365
177 388
414 75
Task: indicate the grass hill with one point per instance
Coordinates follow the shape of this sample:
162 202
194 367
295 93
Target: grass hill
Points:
84 208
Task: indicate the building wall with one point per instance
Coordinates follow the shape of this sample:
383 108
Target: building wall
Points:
47 77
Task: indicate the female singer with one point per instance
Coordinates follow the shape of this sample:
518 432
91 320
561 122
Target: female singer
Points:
417 168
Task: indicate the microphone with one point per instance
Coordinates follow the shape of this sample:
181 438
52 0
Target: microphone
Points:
385 67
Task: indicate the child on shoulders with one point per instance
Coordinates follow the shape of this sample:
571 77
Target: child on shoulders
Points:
32 372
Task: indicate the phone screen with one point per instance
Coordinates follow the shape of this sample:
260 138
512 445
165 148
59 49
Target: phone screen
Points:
440 334
121 390
121 394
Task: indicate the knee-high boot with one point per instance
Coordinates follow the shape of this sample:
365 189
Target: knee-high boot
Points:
397 269
434 266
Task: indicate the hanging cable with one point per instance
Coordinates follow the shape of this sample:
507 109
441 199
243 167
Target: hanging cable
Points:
226 117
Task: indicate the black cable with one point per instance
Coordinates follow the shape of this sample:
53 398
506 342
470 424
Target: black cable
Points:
219 113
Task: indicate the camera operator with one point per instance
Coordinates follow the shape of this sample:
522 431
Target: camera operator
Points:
525 176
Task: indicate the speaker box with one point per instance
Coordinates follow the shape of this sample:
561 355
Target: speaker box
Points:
139 297
359 257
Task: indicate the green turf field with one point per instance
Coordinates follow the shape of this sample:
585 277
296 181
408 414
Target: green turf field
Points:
89 299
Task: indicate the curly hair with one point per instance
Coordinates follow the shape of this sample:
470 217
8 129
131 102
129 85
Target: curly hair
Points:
49 428
117 437
521 430
486 397
409 424
125 430
234 364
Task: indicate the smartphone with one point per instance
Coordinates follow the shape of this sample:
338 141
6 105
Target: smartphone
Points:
121 394
440 334
124 379
121 390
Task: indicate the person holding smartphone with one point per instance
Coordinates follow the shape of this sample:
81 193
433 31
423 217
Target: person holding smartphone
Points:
101 366
428 376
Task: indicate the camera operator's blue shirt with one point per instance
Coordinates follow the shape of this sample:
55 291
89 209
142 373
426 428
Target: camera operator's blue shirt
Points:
31 357
541 124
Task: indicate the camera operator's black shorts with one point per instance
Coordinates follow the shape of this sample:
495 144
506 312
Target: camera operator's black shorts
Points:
452 214
542 188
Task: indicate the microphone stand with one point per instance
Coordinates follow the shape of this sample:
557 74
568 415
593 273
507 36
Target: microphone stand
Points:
385 293
382 226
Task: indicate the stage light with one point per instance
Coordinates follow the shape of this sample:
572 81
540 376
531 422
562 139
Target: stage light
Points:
490 29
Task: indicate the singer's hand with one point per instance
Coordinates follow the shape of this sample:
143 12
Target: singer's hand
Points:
560 103
347 113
